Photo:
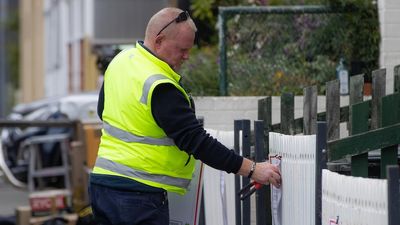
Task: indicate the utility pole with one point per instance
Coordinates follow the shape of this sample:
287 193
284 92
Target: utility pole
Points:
3 59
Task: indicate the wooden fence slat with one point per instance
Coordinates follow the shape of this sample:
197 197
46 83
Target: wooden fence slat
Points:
356 89
287 113
390 109
265 114
356 93
359 124
333 109
378 91
390 116
364 142
310 110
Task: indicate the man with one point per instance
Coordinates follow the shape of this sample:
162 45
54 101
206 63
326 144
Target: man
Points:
150 132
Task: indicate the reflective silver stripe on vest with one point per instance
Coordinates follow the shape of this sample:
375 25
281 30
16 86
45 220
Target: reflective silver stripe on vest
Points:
129 137
147 85
130 172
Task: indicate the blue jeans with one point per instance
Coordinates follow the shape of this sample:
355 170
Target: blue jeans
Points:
111 206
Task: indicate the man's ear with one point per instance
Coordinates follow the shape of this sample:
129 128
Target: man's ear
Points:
158 41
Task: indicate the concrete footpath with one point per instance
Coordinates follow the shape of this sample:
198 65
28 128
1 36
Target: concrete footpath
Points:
11 197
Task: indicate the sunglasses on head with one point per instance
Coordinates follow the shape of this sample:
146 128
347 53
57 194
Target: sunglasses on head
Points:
183 16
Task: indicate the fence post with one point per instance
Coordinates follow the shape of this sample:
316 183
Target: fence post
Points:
242 209
378 91
320 163
390 114
237 126
393 194
358 122
356 94
287 114
265 114
332 109
263 195
310 110
332 113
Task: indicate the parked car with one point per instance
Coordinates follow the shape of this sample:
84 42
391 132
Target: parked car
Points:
14 158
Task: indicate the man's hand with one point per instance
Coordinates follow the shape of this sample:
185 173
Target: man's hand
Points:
264 173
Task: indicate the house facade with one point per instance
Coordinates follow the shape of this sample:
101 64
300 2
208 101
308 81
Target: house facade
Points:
60 41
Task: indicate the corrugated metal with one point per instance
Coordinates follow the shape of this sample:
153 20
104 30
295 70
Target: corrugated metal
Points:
353 200
294 202
123 21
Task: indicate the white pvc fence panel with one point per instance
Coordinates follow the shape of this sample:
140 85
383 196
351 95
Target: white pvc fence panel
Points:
219 187
353 200
298 177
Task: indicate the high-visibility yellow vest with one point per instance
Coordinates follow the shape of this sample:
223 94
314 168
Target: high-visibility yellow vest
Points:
132 144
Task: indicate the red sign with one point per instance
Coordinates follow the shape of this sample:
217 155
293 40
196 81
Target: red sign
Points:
46 203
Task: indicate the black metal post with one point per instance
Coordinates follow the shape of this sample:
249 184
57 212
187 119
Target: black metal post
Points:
237 126
242 210
320 163
392 173
263 195
202 217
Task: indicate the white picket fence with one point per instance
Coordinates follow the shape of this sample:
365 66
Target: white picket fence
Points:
298 177
219 187
353 200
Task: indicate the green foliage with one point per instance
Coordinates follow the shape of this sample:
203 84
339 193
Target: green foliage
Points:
205 14
361 41
201 9
276 53
250 76
200 72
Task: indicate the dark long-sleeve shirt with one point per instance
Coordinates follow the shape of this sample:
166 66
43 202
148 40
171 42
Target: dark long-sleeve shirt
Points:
174 115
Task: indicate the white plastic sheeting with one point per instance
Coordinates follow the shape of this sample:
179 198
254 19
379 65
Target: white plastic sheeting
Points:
298 176
219 187
353 200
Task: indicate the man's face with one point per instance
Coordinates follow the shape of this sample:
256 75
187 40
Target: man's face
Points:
175 50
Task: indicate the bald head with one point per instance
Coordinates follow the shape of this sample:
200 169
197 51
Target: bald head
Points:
168 39
159 20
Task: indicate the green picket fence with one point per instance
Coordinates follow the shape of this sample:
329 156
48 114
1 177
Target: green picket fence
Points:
373 123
